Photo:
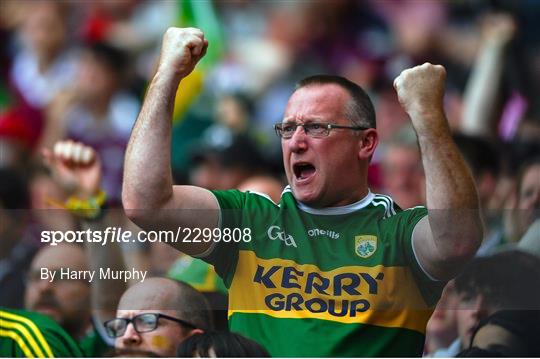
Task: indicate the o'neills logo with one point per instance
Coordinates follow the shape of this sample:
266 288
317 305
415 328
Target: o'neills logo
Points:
316 232
275 232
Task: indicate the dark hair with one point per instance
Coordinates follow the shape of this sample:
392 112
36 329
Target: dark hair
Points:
523 324
110 56
359 110
224 345
13 190
507 280
475 352
479 153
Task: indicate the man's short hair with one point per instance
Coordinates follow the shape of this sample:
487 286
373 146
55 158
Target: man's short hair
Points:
359 110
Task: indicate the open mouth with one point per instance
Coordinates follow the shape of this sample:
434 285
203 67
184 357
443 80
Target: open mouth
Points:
303 170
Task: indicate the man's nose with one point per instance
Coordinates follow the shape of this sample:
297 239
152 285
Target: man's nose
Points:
44 285
298 141
130 337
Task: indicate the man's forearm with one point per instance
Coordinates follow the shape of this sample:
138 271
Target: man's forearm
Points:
452 232
147 169
451 194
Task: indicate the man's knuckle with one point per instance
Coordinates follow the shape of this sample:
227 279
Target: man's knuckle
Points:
171 31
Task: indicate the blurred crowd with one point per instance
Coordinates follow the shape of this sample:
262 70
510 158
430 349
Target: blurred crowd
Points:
77 70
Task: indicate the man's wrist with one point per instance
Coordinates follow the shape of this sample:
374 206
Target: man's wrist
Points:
167 73
428 120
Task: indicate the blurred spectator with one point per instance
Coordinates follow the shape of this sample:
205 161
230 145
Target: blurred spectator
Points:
403 175
483 87
37 64
508 280
44 67
441 329
67 301
70 300
225 164
130 24
98 112
15 252
529 194
507 333
391 117
162 312
220 345
234 112
527 201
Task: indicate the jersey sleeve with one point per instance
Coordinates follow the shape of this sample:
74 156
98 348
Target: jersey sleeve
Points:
404 224
224 254
27 334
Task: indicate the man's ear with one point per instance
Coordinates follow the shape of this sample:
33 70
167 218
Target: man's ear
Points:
368 144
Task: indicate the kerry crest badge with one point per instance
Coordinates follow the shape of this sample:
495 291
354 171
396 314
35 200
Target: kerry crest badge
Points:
365 245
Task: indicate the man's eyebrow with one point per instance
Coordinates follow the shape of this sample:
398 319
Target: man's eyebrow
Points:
126 315
304 120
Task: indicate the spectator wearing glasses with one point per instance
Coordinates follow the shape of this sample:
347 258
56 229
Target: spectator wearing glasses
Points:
333 258
157 315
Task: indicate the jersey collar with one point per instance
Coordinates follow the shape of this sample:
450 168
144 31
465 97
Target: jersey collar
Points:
333 211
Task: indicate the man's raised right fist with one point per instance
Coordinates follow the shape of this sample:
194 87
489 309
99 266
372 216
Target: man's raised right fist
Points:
182 49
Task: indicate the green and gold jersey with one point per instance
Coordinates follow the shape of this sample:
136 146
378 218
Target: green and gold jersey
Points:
341 281
32 335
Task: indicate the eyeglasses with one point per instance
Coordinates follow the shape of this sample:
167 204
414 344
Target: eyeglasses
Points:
313 129
142 323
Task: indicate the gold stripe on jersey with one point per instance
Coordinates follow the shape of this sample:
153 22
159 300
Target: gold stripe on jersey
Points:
35 330
25 333
20 342
384 296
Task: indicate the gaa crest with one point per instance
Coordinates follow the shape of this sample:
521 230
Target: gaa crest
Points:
365 246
